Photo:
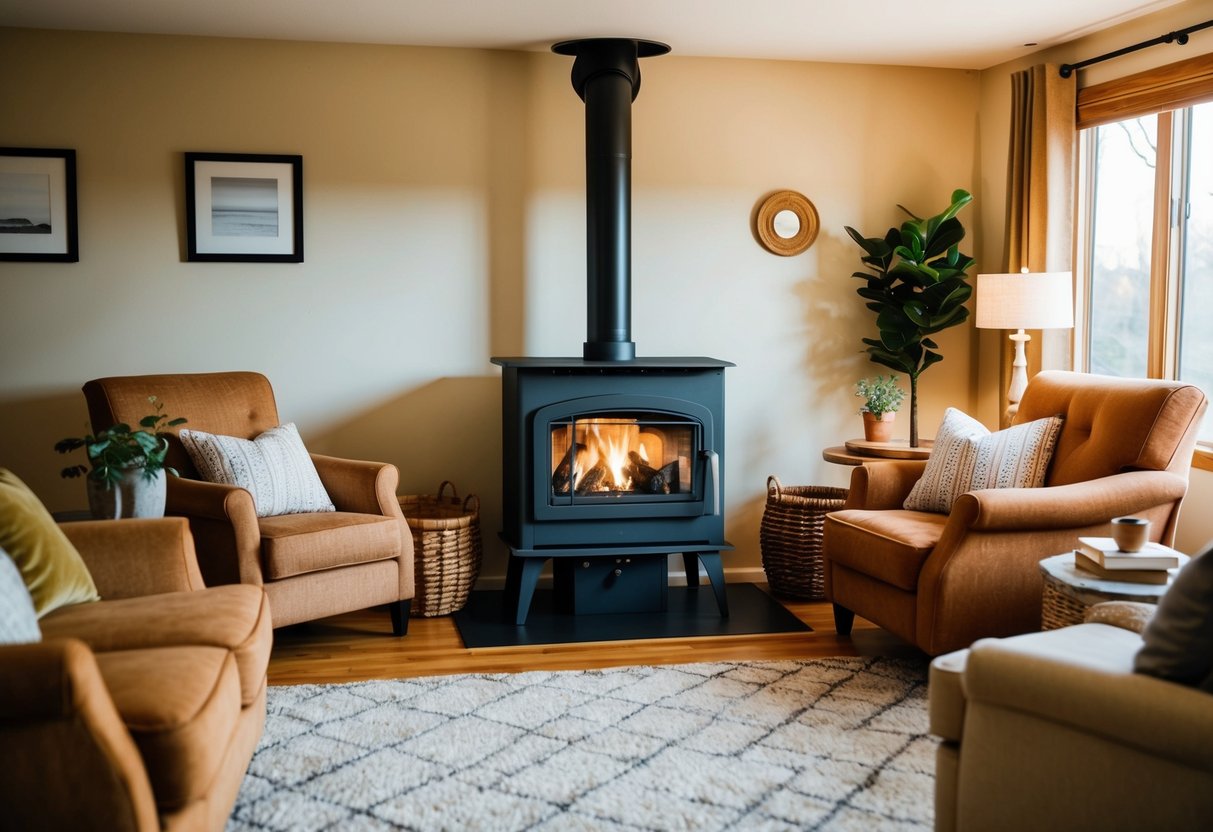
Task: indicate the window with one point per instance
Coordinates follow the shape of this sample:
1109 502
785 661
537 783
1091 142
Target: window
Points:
1146 217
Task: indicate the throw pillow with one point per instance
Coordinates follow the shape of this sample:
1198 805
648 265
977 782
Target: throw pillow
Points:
966 457
18 620
53 571
275 468
1177 644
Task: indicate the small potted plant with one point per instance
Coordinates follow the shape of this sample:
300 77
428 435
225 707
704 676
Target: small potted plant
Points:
882 397
126 478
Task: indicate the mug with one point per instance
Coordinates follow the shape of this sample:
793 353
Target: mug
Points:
1130 533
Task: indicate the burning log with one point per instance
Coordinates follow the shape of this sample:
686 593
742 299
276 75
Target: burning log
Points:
563 474
649 480
592 478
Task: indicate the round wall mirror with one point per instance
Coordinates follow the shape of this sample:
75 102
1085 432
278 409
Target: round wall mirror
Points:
786 223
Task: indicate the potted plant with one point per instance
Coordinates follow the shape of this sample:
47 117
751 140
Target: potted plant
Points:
917 286
882 397
126 478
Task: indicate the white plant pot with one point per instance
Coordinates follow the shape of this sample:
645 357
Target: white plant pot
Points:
132 496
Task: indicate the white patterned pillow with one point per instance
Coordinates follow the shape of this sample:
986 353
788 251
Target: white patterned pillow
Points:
275 468
18 621
967 457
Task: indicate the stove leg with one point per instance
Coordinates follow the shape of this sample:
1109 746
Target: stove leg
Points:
521 577
690 563
711 565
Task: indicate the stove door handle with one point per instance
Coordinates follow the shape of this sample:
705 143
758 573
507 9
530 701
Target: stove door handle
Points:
711 483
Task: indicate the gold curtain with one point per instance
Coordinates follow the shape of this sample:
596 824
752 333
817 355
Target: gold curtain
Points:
1040 197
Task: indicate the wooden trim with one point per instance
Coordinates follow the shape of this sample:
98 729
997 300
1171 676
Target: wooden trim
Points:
1202 458
1157 351
1169 87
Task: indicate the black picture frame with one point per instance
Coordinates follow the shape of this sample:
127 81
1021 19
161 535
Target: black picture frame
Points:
38 205
243 208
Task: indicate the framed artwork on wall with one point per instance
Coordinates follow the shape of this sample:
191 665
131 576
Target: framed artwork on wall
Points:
38 205
244 208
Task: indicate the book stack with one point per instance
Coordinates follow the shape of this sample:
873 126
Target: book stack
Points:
1101 557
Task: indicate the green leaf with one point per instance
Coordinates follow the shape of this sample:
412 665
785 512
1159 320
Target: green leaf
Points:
930 358
947 235
180 420
917 312
927 342
149 421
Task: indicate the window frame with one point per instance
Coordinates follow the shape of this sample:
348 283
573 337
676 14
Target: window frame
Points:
1167 91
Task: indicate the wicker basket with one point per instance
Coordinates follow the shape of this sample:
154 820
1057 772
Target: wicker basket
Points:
790 536
446 549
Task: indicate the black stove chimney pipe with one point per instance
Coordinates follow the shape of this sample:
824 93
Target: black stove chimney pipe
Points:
606 75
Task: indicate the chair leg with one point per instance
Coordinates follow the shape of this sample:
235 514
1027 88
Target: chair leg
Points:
844 619
400 616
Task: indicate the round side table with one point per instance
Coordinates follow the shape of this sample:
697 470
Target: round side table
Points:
1069 591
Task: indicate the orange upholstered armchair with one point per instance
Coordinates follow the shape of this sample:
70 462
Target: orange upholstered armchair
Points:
942 581
311 565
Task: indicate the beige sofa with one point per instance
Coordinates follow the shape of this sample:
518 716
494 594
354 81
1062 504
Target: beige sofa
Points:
140 711
1054 730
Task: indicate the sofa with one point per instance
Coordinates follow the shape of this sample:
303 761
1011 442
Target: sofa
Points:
139 711
1055 730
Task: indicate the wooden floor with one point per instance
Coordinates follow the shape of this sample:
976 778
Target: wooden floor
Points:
359 645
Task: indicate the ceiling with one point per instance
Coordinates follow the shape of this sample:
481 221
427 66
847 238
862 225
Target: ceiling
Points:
959 34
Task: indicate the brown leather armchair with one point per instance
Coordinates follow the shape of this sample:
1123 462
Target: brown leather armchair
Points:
311 565
942 581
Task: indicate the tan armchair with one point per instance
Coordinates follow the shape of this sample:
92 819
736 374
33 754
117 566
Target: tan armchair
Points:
942 581
311 565
140 711
1054 730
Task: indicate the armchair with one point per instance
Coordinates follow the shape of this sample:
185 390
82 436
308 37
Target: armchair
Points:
310 565
1054 730
140 711
942 581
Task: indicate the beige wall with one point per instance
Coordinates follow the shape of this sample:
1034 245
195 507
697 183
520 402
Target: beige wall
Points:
444 209
1196 524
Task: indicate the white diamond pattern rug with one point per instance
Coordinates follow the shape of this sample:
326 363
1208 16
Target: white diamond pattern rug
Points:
828 744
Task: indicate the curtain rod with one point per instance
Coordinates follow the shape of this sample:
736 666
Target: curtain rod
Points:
1179 37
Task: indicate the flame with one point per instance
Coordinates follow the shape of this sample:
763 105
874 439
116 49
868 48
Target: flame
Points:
609 444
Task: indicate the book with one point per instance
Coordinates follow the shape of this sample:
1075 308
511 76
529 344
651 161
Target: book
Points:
1106 554
1134 576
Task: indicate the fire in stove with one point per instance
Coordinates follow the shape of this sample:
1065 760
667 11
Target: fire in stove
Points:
617 456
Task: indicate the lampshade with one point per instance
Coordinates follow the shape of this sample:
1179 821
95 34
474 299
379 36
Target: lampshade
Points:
1031 300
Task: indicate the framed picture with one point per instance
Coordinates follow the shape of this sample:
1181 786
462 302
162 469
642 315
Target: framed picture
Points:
244 207
38 205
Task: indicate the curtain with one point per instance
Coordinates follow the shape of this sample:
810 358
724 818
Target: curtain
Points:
1040 196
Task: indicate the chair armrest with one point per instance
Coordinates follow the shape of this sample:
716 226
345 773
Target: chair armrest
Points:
360 486
61 730
1073 506
877 486
1164 719
135 557
209 501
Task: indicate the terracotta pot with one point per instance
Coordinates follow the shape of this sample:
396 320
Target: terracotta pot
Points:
878 430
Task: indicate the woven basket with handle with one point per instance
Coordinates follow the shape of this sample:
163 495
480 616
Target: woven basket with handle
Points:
446 548
790 536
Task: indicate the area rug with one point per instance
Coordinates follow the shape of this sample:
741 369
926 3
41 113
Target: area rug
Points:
830 744
691 612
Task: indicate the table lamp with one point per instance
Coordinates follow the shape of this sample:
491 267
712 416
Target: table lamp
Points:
1028 300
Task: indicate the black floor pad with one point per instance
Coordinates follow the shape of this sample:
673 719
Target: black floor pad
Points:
691 612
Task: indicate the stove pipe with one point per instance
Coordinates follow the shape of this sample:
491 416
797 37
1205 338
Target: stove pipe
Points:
606 75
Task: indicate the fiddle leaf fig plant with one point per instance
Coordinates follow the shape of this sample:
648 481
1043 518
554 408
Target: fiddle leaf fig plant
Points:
120 448
917 285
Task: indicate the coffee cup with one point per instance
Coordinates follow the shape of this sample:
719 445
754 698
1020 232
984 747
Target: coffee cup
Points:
1130 533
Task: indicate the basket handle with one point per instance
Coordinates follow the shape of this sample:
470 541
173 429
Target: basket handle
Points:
774 487
441 488
474 501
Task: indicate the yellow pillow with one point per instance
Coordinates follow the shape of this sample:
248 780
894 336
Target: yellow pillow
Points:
53 571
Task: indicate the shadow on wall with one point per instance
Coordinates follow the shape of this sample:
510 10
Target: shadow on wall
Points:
448 429
831 306
29 429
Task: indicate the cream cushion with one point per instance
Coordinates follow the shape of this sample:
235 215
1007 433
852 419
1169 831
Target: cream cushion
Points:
967 457
274 467
18 620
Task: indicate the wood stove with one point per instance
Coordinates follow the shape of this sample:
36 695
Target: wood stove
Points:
611 462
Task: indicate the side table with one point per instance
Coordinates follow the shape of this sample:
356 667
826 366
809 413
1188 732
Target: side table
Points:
1069 591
